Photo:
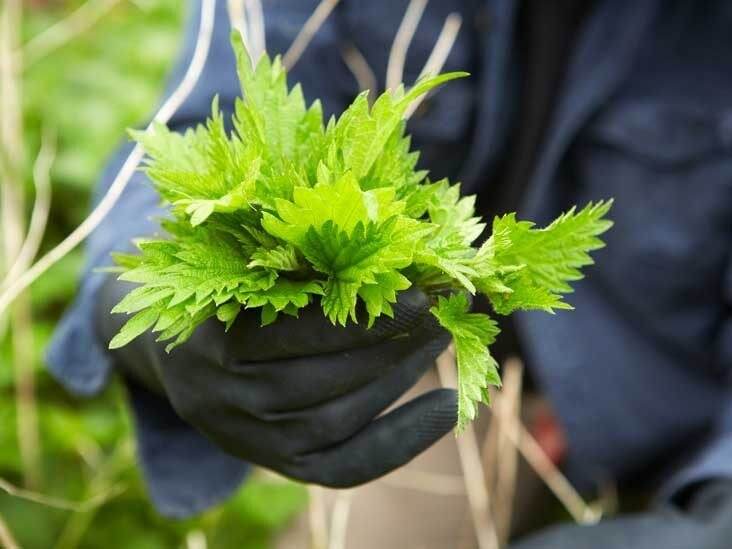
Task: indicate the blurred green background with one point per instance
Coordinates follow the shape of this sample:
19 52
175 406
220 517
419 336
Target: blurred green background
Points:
104 80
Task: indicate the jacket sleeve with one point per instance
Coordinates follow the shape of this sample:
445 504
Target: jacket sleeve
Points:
184 471
75 357
711 460
713 457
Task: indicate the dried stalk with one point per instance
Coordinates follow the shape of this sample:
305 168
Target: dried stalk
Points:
79 21
255 16
25 391
59 503
439 54
530 449
443 46
246 16
196 540
238 22
404 35
507 460
432 483
120 182
308 30
317 518
41 206
339 519
22 346
608 502
489 451
469 454
362 72
7 541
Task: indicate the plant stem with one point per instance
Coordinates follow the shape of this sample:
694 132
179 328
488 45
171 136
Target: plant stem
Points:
58 503
439 55
309 29
22 346
478 498
362 72
41 207
7 541
404 35
339 519
81 20
519 435
170 106
317 518
507 456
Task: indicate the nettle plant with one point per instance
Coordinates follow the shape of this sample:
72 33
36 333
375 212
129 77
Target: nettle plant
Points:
286 211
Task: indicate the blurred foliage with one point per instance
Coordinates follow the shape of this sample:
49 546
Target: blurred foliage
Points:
88 92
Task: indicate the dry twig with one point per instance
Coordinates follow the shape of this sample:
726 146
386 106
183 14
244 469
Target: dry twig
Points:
238 21
422 481
308 30
81 20
359 67
247 17
13 205
196 540
257 38
171 105
530 449
317 518
404 35
41 206
59 503
7 541
507 458
339 519
439 54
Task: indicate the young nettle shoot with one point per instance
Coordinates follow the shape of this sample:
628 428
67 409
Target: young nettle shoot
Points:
285 211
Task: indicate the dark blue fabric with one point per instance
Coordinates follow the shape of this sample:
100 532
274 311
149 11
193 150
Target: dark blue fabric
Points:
640 372
185 472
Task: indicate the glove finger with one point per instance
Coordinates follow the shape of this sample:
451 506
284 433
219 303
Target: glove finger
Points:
311 333
385 444
311 429
305 382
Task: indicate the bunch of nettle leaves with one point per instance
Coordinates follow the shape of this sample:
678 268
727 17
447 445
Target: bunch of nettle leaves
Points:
287 211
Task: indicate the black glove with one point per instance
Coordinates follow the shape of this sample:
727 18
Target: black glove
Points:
300 396
704 521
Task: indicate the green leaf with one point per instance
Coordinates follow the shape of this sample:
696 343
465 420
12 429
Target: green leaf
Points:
339 301
283 294
341 203
141 298
362 132
472 333
536 265
134 327
379 296
283 210
228 312
279 258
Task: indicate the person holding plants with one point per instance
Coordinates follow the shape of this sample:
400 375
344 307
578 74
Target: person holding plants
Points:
568 102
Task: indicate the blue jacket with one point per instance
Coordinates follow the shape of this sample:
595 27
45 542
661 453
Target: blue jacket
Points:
640 373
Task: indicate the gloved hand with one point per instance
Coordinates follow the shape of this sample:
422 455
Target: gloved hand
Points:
703 521
300 396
